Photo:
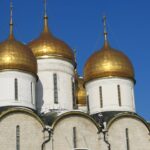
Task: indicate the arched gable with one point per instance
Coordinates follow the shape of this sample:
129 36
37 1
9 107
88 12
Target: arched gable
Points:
14 110
129 115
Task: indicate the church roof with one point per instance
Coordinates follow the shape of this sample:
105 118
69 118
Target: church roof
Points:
110 117
53 118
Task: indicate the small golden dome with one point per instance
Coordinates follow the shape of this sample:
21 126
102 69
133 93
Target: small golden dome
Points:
108 62
15 55
49 46
81 93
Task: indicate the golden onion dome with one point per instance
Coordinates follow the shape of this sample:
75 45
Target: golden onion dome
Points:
48 46
16 56
80 93
108 62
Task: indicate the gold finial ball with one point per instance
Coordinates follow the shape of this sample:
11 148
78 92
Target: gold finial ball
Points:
47 46
108 62
15 55
81 93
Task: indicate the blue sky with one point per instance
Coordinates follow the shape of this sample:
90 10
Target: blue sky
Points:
79 24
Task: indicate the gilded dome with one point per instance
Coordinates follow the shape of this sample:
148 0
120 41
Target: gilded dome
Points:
15 55
49 46
81 93
108 62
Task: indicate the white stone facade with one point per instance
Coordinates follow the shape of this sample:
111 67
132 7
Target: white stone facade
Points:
131 130
86 136
45 87
110 97
21 94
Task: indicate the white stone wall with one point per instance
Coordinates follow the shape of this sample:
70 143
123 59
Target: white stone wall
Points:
138 134
110 95
86 134
31 135
7 88
45 87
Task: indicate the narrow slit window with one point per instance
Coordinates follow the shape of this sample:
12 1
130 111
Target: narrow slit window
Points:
17 137
119 95
55 88
74 137
88 106
73 93
127 138
32 93
16 89
132 94
101 97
